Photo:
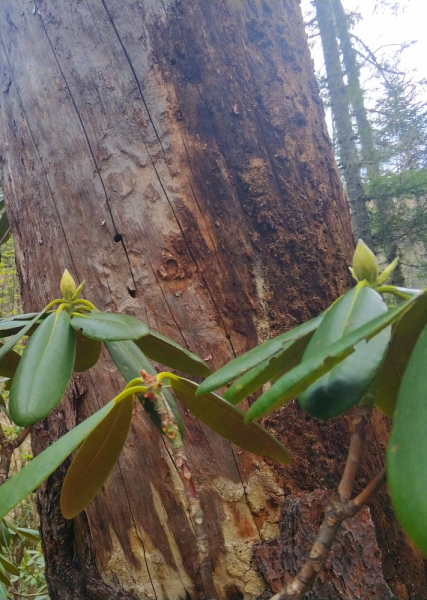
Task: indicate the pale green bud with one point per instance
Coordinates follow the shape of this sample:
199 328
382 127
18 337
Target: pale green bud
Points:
365 265
68 286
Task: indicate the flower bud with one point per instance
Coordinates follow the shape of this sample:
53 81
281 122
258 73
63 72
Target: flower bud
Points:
68 286
365 265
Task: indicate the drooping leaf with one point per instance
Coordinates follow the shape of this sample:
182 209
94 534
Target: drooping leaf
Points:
129 359
240 365
227 421
169 353
34 473
9 363
4 534
15 339
269 369
31 534
3 594
95 459
44 371
88 352
345 384
8 565
407 448
3 575
109 327
404 336
308 371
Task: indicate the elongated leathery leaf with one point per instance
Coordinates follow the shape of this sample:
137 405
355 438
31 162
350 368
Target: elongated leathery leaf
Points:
14 324
404 336
129 359
15 339
44 371
95 459
308 371
279 364
34 473
169 353
3 575
109 327
407 448
239 366
345 384
31 534
227 420
9 363
88 352
8 565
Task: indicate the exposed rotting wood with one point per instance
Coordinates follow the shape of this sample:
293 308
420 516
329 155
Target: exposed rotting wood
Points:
177 150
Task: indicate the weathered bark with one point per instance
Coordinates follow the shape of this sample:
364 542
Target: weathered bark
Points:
175 155
341 114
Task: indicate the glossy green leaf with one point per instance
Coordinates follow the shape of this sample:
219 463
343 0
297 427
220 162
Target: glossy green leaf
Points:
88 352
404 336
4 534
277 365
227 421
407 448
44 371
24 331
31 534
129 359
3 593
308 371
8 565
12 325
9 363
239 366
109 327
169 353
3 575
345 384
34 473
95 459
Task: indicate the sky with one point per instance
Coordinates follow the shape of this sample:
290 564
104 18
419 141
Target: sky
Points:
378 29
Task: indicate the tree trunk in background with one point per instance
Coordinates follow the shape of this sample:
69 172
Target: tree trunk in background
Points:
175 155
341 114
355 95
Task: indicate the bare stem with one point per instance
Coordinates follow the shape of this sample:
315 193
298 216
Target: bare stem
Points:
171 431
7 448
357 440
339 508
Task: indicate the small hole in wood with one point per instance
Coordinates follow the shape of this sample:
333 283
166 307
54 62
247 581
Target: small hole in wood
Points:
173 61
132 293
118 237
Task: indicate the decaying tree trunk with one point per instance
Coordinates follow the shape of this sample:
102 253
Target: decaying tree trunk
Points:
174 154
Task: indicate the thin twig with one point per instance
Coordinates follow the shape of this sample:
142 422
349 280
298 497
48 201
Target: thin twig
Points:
356 443
339 508
7 448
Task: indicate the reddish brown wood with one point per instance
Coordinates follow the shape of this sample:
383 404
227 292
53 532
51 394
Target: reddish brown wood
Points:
191 133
